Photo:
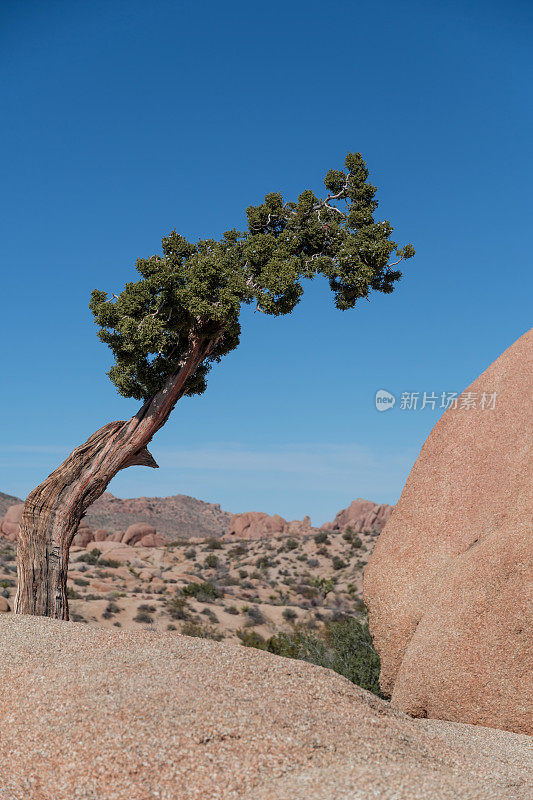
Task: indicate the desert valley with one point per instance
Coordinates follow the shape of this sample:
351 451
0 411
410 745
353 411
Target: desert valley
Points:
180 564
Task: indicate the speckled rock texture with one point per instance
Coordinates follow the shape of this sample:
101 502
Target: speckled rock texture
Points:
449 584
90 714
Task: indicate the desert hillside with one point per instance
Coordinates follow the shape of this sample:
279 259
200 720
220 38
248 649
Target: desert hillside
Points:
149 715
174 517
238 590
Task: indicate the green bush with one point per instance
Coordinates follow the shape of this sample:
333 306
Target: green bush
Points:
109 562
213 544
203 592
346 648
211 561
202 631
321 537
337 562
291 544
289 614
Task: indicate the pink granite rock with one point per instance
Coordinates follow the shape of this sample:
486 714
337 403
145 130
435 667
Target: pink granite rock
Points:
361 515
11 522
136 532
83 535
448 586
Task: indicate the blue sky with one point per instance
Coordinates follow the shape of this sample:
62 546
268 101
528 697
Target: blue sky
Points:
122 120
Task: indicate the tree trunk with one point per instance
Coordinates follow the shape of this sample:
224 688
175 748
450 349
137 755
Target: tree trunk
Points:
53 511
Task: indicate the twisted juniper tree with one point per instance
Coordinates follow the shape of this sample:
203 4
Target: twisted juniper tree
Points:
182 315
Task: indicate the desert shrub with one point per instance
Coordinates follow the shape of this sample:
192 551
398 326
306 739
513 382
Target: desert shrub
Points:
346 647
231 610
321 537
213 544
308 592
337 562
72 594
177 606
171 627
90 558
110 610
312 563
210 615
7 553
190 554
291 544
289 614
228 580
255 614
109 562
264 562
252 639
238 550
353 538
243 573
80 582
143 614
203 592
201 631
211 561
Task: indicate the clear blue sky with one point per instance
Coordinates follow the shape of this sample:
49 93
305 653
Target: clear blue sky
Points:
124 119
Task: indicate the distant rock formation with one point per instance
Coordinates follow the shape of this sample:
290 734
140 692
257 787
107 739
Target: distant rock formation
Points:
181 517
177 517
361 515
257 524
448 585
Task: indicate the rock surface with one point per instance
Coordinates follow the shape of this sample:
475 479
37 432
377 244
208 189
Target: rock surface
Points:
258 525
11 522
166 716
448 587
361 515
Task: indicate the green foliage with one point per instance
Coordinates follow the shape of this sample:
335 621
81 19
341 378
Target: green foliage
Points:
291 544
201 630
321 537
211 561
194 292
345 648
338 563
324 585
177 606
203 592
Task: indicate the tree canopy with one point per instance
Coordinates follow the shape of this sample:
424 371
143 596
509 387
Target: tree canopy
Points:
196 291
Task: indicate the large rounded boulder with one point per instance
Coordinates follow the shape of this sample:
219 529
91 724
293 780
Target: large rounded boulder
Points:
447 584
11 522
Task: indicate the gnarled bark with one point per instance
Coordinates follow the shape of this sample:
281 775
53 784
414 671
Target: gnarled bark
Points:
53 511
